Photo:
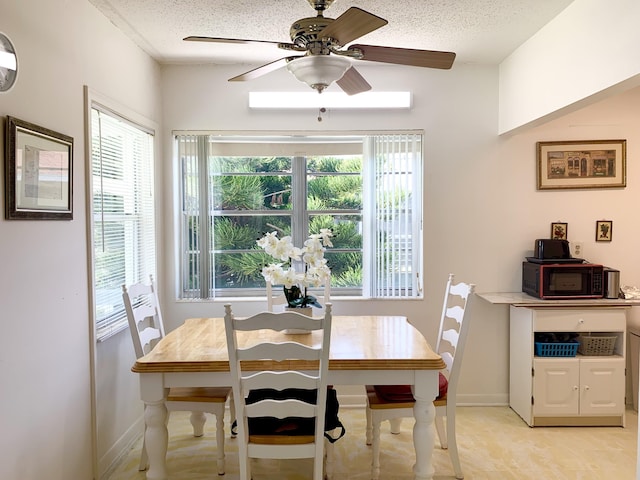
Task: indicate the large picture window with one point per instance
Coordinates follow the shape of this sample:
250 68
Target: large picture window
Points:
122 214
366 188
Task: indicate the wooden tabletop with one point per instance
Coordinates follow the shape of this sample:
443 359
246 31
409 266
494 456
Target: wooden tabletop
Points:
357 343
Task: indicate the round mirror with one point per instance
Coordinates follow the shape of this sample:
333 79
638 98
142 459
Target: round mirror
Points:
8 63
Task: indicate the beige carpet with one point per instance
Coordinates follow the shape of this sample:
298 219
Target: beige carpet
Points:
494 444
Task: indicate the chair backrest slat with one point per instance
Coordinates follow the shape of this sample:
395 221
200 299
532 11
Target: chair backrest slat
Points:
455 313
149 334
451 336
281 409
279 351
448 360
277 321
279 380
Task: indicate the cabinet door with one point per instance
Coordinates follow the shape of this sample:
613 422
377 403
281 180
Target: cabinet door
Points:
602 386
556 387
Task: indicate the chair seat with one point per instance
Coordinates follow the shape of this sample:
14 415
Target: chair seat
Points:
281 439
199 394
400 396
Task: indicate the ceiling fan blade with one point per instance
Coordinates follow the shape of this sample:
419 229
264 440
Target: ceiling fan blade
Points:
352 82
406 56
262 70
352 24
194 38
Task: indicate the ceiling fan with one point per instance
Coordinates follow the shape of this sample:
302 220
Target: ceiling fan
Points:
326 59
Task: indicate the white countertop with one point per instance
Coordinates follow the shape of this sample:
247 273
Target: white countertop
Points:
521 299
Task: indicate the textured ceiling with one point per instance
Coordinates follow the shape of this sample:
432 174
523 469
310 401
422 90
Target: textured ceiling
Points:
479 31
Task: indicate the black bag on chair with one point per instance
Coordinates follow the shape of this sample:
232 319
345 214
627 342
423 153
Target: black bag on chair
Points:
295 425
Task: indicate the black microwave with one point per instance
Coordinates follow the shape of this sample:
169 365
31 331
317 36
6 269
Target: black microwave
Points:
563 280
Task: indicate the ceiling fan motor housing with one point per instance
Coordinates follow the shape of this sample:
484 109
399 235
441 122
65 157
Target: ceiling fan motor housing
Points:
305 31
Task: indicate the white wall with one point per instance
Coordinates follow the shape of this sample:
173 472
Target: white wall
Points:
589 51
45 357
450 106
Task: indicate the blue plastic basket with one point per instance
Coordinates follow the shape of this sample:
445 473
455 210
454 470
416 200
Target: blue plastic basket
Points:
557 349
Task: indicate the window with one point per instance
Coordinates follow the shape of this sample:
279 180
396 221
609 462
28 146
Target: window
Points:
122 228
366 188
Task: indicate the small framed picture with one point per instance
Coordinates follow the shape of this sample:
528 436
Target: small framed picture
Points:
559 230
604 230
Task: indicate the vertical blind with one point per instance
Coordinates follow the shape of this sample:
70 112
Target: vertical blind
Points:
194 194
123 227
397 216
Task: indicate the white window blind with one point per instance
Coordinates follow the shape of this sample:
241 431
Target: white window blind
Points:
396 183
123 227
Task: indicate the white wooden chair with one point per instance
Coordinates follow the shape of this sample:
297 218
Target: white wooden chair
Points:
145 323
275 300
314 357
382 404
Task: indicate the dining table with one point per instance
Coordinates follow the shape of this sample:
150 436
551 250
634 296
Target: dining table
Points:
364 350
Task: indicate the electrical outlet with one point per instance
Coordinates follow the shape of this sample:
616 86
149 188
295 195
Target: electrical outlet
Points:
577 250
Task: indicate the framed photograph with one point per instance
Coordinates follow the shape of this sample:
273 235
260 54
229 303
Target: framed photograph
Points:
38 172
582 164
604 230
559 230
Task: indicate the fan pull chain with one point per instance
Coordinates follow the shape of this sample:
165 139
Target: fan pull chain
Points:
320 112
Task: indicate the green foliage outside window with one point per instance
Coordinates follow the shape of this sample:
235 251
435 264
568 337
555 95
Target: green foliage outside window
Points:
263 186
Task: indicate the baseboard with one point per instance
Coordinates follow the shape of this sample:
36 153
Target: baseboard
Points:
119 450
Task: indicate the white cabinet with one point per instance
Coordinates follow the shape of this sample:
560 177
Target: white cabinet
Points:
578 386
580 390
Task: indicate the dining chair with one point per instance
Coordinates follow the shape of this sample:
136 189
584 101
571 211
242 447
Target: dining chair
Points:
274 300
146 327
272 421
391 402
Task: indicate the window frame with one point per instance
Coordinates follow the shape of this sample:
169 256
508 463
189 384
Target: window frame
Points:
108 326
300 230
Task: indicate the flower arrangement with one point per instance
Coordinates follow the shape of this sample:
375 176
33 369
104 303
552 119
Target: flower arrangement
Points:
295 283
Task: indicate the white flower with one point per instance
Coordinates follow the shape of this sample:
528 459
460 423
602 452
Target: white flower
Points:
268 241
326 234
312 255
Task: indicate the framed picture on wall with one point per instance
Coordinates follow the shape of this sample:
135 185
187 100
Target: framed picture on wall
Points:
582 164
604 230
38 172
559 230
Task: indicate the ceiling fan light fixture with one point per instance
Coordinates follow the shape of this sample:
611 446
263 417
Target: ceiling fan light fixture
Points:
319 71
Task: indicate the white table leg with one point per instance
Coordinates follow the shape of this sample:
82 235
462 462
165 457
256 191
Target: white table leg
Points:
156 436
425 391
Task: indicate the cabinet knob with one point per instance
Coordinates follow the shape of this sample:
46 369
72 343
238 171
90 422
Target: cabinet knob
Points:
586 387
575 387
581 321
